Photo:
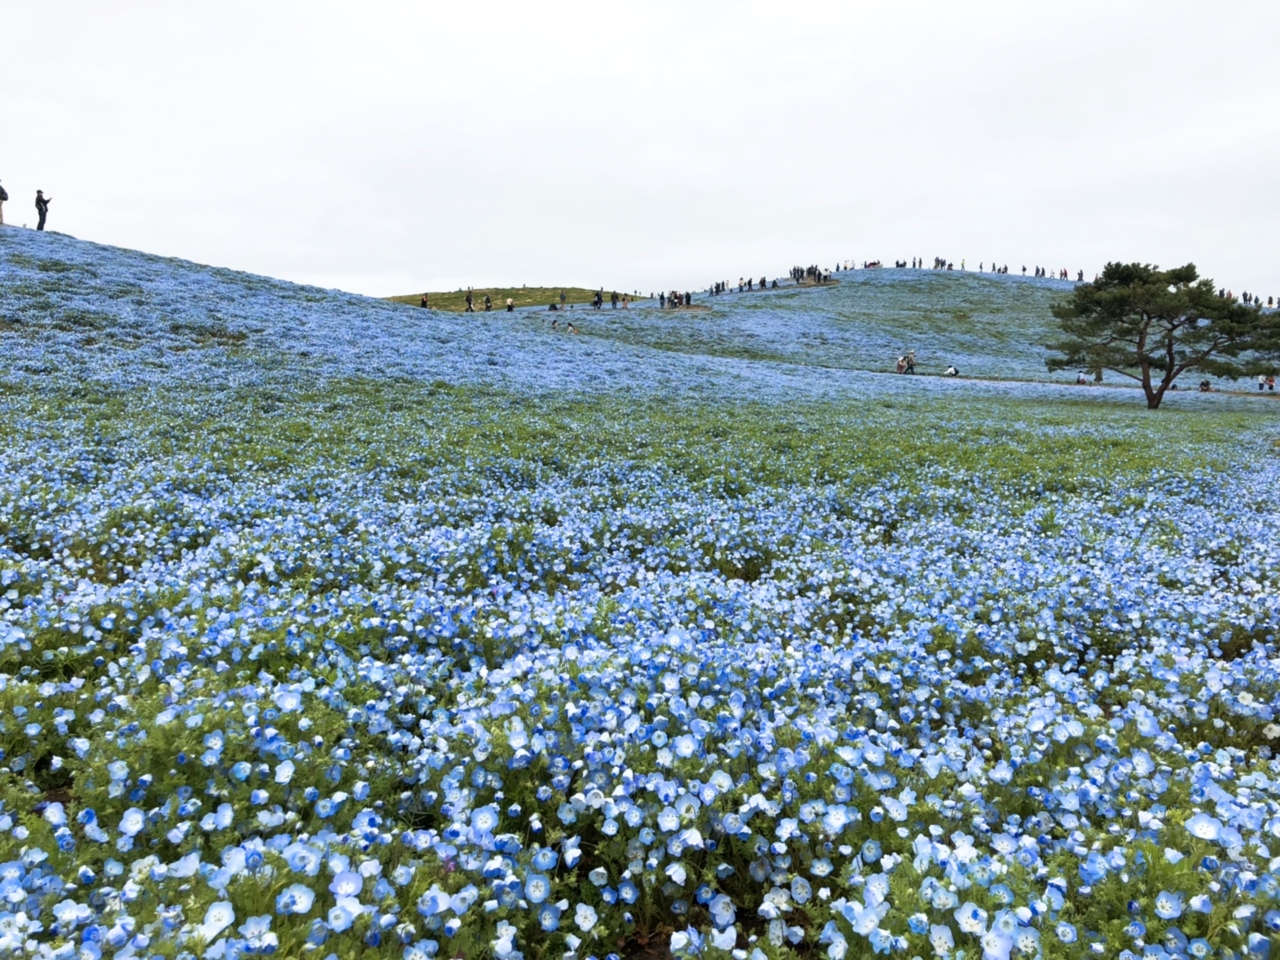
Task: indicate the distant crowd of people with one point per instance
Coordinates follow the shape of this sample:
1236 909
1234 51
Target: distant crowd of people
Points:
42 206
1249 299
811 274
744 284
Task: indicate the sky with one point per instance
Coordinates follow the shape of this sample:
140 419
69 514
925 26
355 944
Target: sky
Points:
394 147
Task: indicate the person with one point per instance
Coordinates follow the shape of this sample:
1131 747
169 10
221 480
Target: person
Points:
626 301
562 299
1271 384
553 306
555 323
1205 386
511 305
471 306
488 303
42 207
1081 378
1262 382
4 195
572 328
952 371
426 301
662 300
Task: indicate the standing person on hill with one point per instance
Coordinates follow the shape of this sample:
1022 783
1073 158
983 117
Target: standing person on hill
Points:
4 195
42 207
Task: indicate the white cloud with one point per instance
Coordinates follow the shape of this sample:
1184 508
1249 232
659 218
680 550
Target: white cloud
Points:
642 146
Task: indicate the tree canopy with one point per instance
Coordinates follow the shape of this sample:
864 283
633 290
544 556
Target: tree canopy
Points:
1154 325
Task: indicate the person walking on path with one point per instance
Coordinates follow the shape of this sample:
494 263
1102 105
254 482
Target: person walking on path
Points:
42 207
4 195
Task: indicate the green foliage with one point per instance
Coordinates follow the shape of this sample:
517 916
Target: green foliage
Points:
1154 325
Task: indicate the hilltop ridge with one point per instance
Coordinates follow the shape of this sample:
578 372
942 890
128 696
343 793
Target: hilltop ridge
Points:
89 313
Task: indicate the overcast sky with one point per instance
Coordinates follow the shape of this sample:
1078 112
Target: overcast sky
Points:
392 147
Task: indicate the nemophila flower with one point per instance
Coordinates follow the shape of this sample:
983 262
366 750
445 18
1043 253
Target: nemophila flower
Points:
485 819
421 950
132 821
303 858
971 918
1204 826
996 945
1027 940
433 902
941 939
1066 932
545 859
346 884
1200 948
217 918
295 898
258 935
537 887
722 912
340 918
549 917
585 917
1168 906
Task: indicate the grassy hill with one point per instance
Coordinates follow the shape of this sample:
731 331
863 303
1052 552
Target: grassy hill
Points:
335 626
455 301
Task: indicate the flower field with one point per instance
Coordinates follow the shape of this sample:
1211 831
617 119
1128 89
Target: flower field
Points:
330 627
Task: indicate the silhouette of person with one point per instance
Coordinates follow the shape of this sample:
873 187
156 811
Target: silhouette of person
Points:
42 207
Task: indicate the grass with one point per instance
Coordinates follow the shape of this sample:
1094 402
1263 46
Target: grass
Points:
411 427
455 301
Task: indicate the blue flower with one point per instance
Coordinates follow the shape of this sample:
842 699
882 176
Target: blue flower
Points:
549 917
722 912
585 917
295 898
132 821
537 887
1168 906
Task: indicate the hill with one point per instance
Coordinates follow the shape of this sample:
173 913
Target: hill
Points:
455 301
333 626
90 313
